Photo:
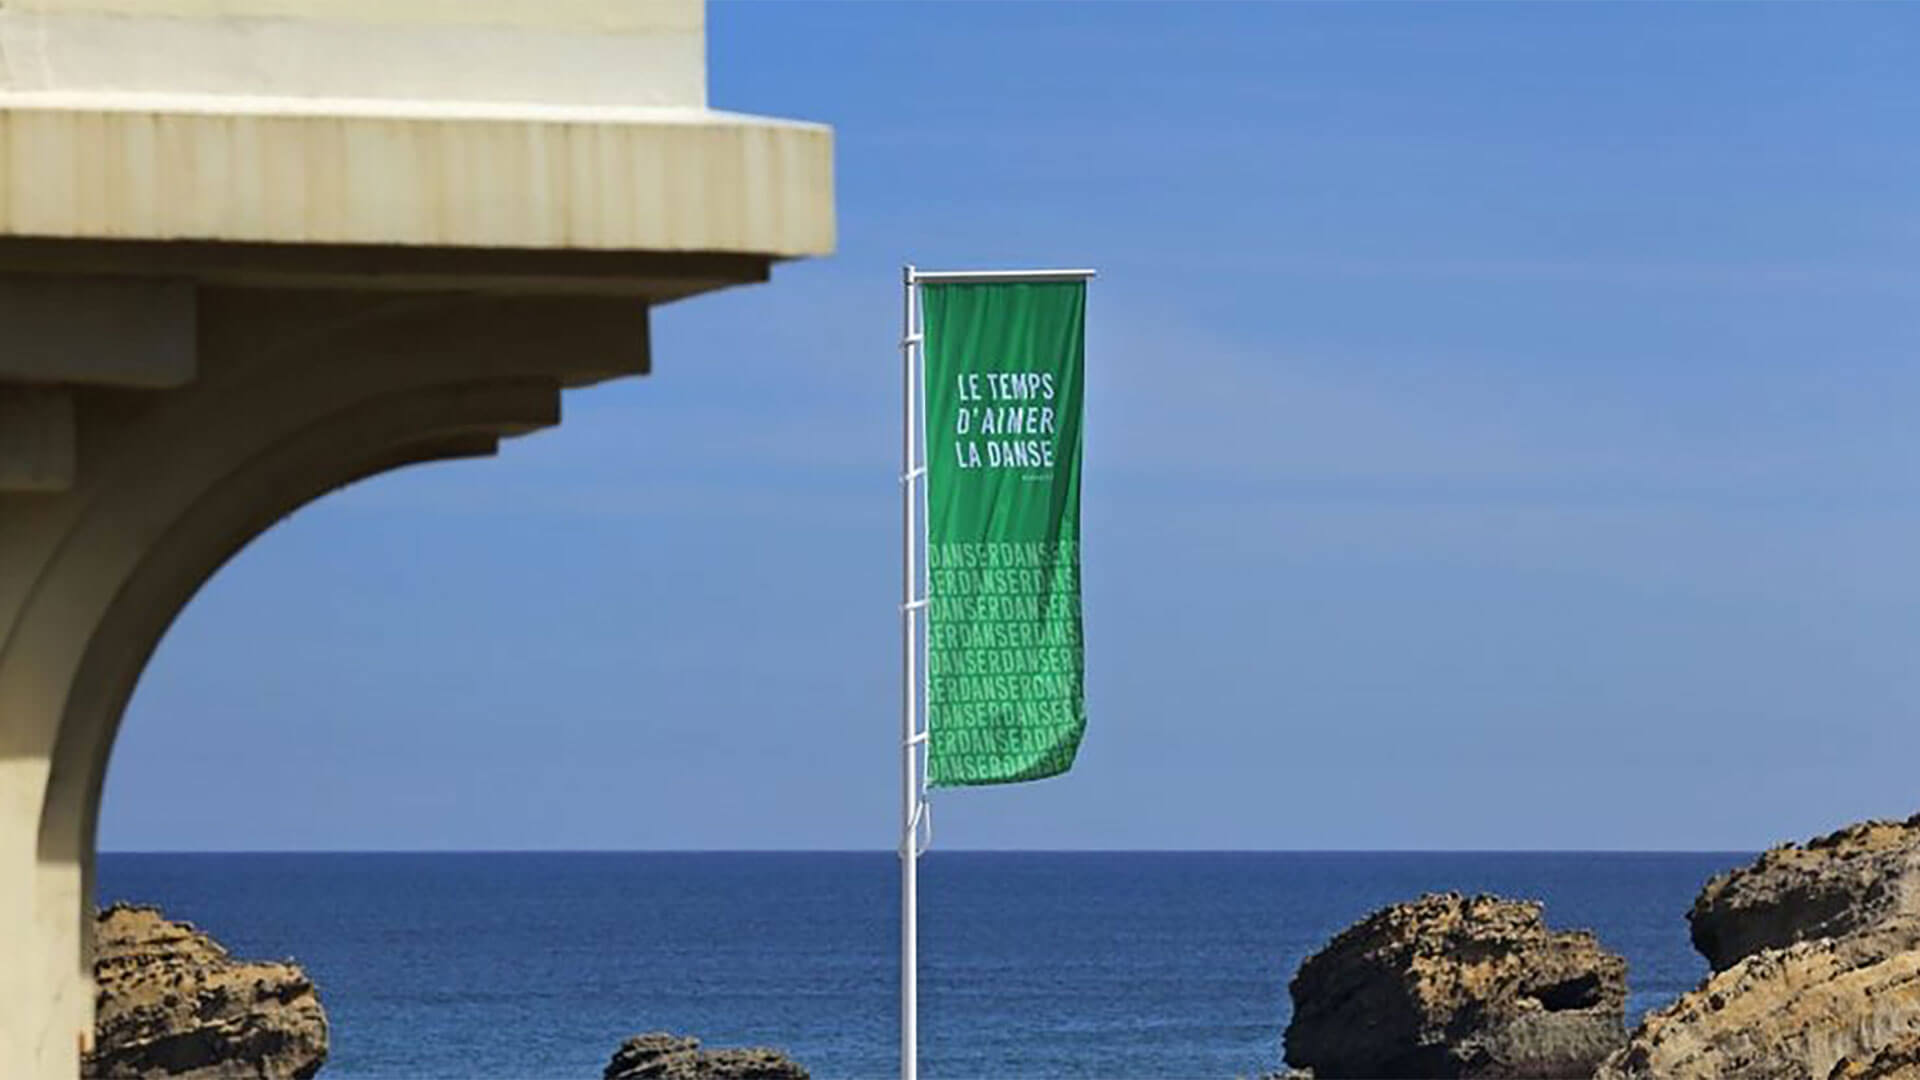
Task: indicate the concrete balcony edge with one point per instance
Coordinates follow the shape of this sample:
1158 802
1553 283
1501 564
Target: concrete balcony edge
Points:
188 167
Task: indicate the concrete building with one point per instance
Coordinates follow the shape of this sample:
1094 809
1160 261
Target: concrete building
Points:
255 250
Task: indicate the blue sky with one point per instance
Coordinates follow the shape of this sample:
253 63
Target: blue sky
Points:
1501 435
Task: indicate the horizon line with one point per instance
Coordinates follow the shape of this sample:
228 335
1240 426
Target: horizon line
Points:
949 851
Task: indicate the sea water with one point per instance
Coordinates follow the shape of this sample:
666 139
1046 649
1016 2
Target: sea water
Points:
1111 964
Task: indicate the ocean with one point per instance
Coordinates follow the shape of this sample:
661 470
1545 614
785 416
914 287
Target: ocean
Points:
1124 964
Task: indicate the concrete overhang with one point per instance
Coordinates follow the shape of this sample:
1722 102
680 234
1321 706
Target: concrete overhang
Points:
514 144
557 157
655 201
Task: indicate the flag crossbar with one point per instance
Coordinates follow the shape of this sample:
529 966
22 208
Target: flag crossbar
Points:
961 276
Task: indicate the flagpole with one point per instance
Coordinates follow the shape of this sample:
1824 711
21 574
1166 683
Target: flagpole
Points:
913 613
910 607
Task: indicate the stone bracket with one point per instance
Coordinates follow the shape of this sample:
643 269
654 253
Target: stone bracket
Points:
110 331
36 439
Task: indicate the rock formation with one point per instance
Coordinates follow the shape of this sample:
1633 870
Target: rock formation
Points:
1847 881
1817 955
1449 986
661 1056
1899 1060
1784 1014
172 1003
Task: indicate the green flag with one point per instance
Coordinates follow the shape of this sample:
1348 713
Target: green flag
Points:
1005 382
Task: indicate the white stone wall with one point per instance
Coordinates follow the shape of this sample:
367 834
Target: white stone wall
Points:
573 52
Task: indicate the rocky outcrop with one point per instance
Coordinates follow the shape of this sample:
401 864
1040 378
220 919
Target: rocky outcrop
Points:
1840 884
1451 986
1899 1060
1896 1061
661 1056
172 1003
1816 951
1785 1014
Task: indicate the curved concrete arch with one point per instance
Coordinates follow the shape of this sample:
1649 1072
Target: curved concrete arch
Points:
387 433
297 394
355 444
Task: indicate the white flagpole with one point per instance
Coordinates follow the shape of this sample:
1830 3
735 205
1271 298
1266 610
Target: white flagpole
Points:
911 475
913 611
